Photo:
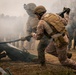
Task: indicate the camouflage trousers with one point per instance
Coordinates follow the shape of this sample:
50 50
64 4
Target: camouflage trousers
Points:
41 49
61 53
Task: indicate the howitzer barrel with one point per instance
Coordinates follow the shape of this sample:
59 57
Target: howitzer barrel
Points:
28 38
10 41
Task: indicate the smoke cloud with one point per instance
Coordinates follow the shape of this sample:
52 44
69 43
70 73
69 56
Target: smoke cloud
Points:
11 26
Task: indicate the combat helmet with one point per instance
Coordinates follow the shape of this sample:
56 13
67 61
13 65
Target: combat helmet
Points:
39 10
30 6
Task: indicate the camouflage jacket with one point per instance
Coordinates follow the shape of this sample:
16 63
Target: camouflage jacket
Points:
44 28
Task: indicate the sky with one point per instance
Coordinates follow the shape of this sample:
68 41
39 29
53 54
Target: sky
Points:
15 7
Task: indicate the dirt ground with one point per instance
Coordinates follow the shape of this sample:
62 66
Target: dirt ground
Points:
53 67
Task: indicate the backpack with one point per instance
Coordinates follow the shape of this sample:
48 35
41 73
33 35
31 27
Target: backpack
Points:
54 21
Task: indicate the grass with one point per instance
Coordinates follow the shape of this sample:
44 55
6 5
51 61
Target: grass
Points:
53 67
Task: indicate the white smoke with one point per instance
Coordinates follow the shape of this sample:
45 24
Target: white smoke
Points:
11 26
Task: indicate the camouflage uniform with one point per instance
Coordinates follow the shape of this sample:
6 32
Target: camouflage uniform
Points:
31 24
61 53
57 47
44 41
31 27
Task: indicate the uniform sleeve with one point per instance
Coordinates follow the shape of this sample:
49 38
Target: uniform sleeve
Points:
40 30
29 28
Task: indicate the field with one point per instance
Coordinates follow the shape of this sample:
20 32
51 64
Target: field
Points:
53 67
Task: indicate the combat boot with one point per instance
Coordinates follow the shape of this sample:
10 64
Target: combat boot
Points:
43 63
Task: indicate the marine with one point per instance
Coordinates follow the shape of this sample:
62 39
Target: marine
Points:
44 41
31 24
53 26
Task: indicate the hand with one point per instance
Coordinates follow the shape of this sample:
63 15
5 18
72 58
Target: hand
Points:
33 34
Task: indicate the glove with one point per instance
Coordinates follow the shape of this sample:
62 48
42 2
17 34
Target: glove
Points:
23 39
28 38
33 34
